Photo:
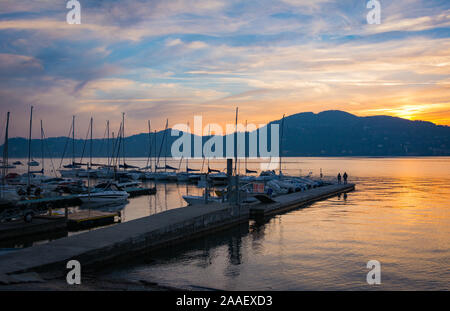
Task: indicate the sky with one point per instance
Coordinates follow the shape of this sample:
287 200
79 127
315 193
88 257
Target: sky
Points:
179 58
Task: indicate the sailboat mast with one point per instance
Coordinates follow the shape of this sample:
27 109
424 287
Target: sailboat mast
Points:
73 140
154 140
29 147
166 141
245 152
281 141
149 161
90 151
236 142
123 139
5 151
187 158
42 147
107 141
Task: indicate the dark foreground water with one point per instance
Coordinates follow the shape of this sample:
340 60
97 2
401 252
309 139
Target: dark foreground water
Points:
399 215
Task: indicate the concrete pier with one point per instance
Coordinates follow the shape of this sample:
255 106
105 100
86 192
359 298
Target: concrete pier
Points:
294 200
100 246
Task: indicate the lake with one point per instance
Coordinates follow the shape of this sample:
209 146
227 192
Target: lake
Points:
399 215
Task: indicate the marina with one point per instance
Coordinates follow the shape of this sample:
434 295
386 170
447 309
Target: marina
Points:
144 234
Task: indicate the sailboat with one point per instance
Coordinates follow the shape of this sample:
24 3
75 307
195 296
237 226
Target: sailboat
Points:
188 174
37 178
134 173
106 171
7 193
72 169
150 173
162 175
247 178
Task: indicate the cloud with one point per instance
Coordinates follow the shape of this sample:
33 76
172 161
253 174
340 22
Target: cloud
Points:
13 65
158 59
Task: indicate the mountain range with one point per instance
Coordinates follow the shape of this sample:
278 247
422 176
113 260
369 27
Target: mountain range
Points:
328 133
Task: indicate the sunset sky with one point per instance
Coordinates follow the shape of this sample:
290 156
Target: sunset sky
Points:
179 58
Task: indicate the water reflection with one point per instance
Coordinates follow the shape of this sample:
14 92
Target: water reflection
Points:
399 215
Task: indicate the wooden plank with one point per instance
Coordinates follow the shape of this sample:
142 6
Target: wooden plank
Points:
89 215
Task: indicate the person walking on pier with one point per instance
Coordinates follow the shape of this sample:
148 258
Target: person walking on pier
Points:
339 178
345 177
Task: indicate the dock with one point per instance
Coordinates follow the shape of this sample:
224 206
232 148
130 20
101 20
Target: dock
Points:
90 219
294 200
39 225
121 241
50 224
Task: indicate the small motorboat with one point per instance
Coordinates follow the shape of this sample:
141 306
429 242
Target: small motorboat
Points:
108 194
17 163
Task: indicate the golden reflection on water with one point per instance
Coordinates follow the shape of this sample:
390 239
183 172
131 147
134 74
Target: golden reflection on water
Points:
399 215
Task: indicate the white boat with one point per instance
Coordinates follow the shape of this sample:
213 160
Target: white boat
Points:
107 195
104 197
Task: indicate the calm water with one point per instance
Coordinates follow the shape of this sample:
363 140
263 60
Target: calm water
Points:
399 215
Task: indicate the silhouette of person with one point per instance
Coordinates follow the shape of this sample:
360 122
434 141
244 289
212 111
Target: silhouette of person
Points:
339 178
345 177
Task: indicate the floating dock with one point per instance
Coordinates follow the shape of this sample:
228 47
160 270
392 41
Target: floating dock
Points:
294 200
90 219
123 240
50 224
39 225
